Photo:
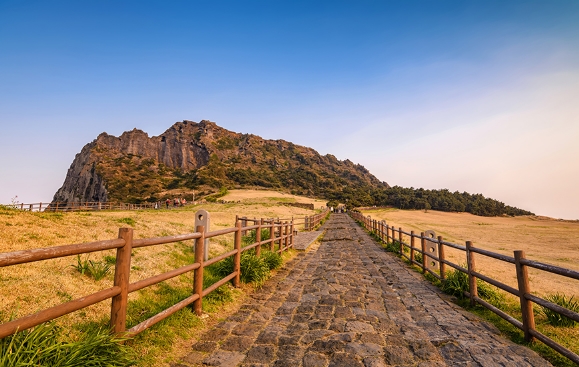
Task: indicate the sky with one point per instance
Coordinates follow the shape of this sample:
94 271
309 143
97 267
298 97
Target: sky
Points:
476 96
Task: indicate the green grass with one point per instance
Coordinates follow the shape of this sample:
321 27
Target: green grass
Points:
95 269
127 220
44 345
253 269
556 319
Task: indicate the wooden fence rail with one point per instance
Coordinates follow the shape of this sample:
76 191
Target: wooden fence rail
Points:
393 236
280 233
309 222
85 206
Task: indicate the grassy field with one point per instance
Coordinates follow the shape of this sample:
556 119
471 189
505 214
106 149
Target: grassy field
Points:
28 288
543 239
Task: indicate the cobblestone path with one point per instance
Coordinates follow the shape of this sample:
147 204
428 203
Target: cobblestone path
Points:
349 303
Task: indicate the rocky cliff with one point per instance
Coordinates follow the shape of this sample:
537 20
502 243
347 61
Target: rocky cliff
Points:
203 157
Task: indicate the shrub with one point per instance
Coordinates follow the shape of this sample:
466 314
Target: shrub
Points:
253 269
555 318
251 238
456 283
418 257
221 294
43 346
271 259
393 246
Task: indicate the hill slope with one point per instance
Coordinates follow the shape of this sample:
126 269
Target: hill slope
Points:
205 157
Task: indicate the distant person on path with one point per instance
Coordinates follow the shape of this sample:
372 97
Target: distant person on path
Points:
183 202
167 203
175 202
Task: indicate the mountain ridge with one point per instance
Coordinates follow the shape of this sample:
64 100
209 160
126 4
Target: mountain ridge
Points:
204 157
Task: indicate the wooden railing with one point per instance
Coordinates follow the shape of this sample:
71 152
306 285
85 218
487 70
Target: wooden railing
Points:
282 233
309 222
86 206
391 235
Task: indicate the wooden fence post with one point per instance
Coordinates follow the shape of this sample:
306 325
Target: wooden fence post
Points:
287 235
423 245
472 286
388 231
441 258
524 288
122 273
244 224
237 256
198 273
258 238
411 247
292 234
271 236
400 240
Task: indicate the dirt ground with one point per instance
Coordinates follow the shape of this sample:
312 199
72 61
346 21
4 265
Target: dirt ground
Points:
543 239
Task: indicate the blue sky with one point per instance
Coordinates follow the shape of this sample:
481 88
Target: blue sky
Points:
478 96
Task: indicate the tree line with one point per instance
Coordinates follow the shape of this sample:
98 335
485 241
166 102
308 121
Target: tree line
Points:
443 200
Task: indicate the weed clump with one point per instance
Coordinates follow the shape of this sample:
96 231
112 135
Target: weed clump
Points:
253 269
43 346
555 318
95 269
456 284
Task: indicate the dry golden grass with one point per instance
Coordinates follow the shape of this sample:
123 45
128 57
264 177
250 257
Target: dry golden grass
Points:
543 239
28 288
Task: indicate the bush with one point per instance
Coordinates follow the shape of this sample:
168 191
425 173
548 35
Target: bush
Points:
42 346
253 269
418 257
393 246
251 238
221 294
555 318
272 260
456 284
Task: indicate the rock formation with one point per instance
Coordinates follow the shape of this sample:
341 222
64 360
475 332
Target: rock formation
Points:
204 157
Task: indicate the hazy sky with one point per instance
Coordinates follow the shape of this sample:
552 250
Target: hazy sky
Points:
477 96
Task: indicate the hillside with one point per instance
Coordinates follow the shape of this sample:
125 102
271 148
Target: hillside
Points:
201 158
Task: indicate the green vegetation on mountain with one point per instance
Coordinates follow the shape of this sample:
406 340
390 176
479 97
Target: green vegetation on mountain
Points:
192 159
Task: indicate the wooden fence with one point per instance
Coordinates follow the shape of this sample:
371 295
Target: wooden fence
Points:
389 234
280 232
85 206
309 222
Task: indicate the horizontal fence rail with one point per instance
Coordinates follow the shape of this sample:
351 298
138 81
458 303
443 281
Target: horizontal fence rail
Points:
281 238
309 222
89 206
395 238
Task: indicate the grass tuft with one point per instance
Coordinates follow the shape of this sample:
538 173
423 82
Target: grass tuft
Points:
253 269
43 346
272 259
555 318
127 220
95 269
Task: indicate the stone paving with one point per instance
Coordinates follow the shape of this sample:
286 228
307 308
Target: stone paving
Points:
304 239
347 302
